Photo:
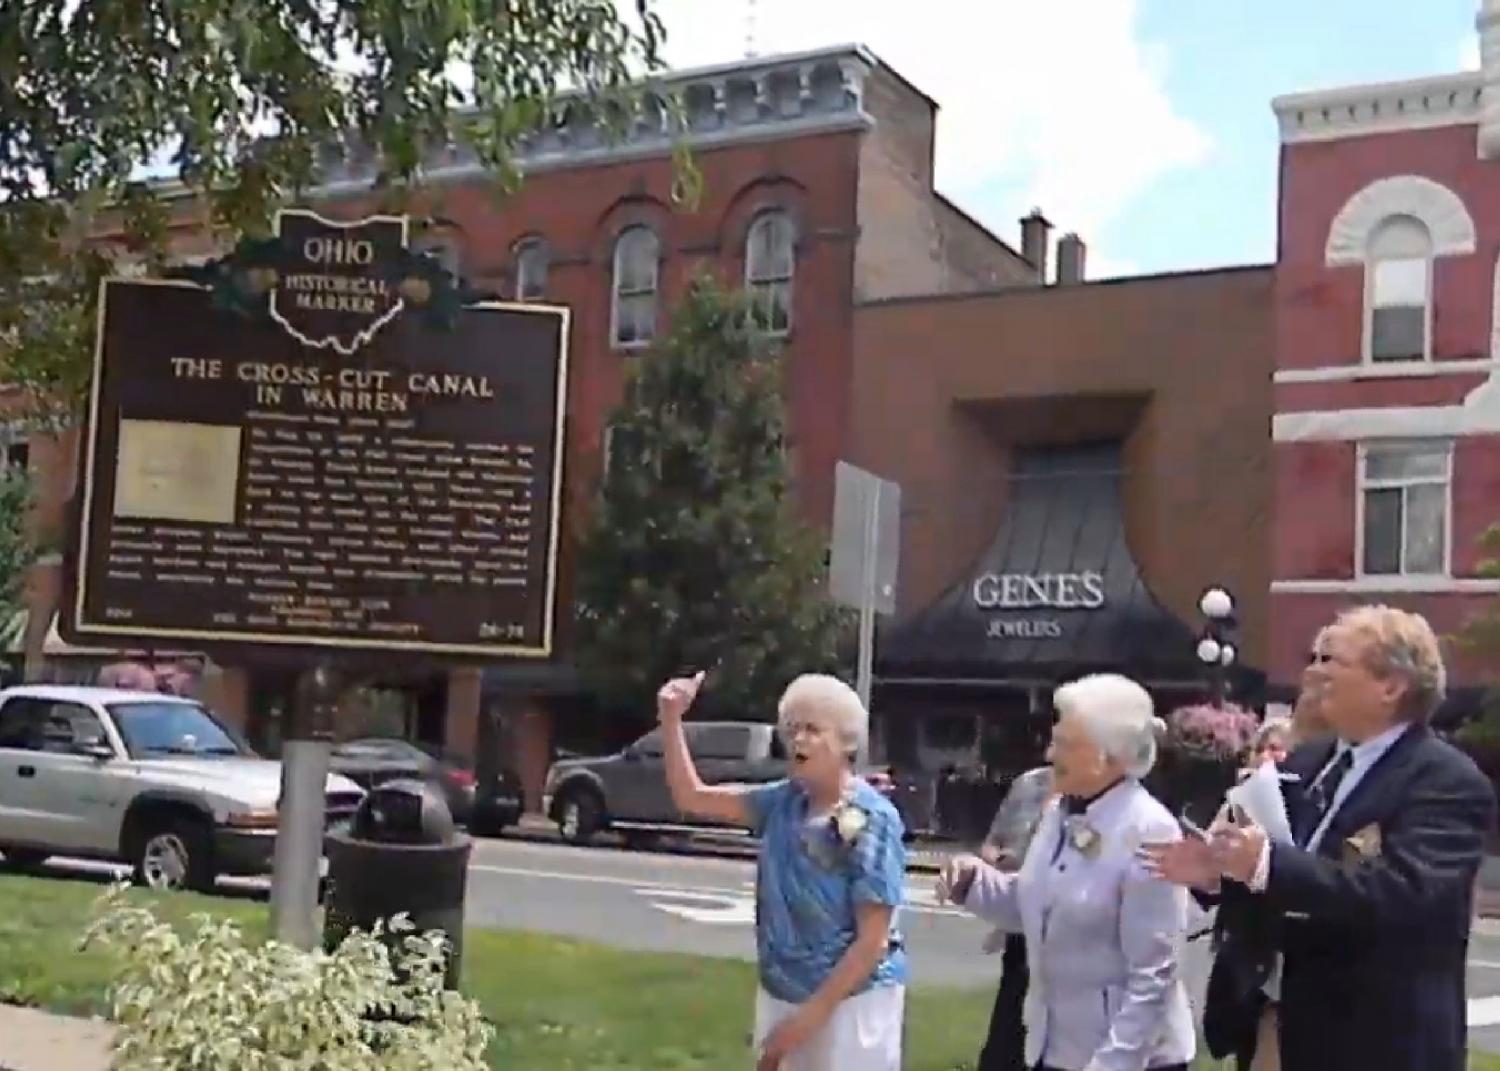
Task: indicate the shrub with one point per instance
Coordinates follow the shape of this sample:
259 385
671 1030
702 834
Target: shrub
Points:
208 1000
1204 731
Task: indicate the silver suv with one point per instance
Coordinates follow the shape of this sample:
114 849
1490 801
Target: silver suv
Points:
150 780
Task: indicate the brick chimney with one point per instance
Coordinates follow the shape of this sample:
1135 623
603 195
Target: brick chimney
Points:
1070 259
1034 231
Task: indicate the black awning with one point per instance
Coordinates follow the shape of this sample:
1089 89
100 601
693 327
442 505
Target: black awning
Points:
1057 593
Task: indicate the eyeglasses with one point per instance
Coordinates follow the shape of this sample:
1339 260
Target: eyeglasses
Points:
1318 658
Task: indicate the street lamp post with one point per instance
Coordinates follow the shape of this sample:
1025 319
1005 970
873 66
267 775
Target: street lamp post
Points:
1216 647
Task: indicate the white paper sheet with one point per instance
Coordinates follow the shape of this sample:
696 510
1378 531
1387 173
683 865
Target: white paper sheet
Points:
1259 796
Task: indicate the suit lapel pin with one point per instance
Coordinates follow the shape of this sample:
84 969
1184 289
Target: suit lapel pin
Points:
1364 844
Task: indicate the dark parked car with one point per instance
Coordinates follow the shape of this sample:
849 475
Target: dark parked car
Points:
627 792
375 760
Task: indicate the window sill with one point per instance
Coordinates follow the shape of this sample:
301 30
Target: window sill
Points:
1388 370
1395 585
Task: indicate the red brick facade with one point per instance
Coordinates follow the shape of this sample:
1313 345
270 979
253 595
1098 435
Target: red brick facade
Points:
1352 161
834 139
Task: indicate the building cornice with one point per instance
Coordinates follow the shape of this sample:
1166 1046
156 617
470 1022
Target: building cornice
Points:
1383 108
750 101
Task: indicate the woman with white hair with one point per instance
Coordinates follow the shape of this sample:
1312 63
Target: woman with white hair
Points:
1103 936
829 881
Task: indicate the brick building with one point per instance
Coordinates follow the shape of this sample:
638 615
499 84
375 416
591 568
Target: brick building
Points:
1387 380
818 195
1078 464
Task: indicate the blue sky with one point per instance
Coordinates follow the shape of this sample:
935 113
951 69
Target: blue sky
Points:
1225 63
1145 125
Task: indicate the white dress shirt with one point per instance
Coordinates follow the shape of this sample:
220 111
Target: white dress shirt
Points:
1365 756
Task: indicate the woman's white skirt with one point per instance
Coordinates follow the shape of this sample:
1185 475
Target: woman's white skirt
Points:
864 1033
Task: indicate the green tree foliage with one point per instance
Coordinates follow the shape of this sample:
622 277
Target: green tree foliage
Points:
16 549
1480 637
693 556
242 102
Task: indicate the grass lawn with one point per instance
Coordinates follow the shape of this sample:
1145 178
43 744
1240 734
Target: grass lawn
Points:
557 1005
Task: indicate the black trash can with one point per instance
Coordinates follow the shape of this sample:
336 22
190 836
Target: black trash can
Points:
400 854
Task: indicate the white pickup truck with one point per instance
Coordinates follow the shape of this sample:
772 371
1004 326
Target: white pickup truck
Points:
150 780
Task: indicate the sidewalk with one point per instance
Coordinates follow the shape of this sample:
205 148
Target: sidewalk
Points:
36 1041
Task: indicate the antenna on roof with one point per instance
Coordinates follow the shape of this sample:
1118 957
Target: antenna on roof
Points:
750 50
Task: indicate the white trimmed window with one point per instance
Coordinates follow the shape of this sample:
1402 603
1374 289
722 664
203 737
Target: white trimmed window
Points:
1398 292
532 262
770 262
1404 504
636 278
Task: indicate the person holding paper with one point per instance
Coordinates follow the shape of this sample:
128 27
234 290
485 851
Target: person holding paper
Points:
1372 902
1240 1006
1104 938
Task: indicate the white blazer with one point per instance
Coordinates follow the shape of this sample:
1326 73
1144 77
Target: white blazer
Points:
1104 939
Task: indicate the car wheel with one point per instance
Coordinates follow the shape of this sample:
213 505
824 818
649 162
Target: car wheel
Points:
24 858
174 855
579 815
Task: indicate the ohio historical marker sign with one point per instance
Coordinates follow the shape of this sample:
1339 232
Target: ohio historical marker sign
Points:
318 462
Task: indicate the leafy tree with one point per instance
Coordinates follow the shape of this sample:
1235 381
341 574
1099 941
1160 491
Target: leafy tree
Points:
242 101
693 556
1480 637
17 551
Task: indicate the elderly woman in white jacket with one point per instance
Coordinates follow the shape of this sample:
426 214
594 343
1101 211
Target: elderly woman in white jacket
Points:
1104 938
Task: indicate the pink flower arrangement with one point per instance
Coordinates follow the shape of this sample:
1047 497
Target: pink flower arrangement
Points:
1208 732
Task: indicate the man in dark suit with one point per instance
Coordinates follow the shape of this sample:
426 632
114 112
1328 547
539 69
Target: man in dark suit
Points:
1371 906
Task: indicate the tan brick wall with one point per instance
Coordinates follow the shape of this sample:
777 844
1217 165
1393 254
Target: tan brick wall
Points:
912 240
1178 366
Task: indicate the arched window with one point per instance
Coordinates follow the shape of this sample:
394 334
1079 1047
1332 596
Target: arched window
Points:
770 262
633 313
1398 291
532 261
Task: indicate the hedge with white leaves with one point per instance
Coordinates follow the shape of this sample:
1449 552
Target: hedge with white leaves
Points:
208 1000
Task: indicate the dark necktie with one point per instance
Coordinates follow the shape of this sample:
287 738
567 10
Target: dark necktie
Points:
1322 792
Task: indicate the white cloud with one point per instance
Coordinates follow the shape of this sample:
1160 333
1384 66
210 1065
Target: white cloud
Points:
1051 103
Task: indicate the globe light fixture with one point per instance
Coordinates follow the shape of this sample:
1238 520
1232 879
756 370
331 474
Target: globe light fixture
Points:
1227 654
1216 604
1209 651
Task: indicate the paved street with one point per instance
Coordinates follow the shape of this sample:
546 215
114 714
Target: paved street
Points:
704 906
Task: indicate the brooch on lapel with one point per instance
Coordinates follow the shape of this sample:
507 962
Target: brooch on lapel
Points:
1084 837
1363 845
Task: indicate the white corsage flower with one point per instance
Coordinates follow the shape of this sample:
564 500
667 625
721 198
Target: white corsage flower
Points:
849 821
1084 837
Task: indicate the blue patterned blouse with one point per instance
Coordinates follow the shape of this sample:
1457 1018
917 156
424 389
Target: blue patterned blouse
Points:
808 883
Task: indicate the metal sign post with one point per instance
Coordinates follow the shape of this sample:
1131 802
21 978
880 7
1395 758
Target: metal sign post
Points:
865 558
301 820
866 661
